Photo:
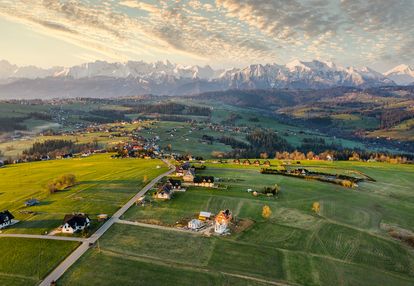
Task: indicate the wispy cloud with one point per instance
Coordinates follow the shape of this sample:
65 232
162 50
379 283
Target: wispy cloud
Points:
226 31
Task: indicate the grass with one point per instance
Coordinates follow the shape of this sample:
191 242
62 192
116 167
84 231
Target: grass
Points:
344 245
104 185
26 261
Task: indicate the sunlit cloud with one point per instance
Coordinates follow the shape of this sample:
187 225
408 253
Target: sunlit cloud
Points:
225 32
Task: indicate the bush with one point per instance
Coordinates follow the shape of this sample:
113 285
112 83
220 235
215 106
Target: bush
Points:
61 183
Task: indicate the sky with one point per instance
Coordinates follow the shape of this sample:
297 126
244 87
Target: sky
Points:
221 33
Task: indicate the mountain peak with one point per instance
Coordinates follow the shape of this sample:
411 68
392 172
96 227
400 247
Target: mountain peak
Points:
402 74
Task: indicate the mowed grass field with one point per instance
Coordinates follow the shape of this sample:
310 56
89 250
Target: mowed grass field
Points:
25 261
103 186
344 245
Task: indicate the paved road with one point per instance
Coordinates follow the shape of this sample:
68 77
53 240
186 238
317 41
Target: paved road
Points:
74 256
44 237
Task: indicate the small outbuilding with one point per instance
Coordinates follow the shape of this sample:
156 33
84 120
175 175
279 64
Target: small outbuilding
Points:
31 202
204 216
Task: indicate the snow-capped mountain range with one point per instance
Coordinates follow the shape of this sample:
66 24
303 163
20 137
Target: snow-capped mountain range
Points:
401 75
138 77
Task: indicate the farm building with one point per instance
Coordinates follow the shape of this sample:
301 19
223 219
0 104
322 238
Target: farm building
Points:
195 224
5 219
164 192
204 181
175 184
189 175
204 216
75 222
31 202
222 221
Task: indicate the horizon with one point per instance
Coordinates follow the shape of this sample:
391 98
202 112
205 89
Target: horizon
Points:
222 33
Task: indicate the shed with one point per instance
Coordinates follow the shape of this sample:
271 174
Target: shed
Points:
204 215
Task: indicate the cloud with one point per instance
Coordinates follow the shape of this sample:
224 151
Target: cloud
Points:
233 32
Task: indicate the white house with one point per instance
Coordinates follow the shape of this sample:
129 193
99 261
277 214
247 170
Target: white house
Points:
5 219
195 224
75 222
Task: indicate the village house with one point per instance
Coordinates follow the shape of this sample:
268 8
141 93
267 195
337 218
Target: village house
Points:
266 163
189 175
256 163
246 162
222 221
75 222
175 184
236 161
204 181
195 224
179 171
31 202
164 192
5 219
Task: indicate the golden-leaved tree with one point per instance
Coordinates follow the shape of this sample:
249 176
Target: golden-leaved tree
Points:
266 212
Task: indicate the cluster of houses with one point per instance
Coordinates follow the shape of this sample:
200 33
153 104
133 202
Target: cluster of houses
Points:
221 221
247 162
188 174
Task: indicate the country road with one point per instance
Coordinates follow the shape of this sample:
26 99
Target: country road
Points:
74 256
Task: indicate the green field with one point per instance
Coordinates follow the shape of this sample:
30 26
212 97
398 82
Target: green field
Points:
104 185
344 245
25 261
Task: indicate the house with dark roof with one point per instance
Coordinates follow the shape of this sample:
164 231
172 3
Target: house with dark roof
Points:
75 222
164 192
5 219
204 181
175 184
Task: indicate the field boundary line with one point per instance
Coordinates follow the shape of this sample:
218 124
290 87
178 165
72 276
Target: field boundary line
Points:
40 236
